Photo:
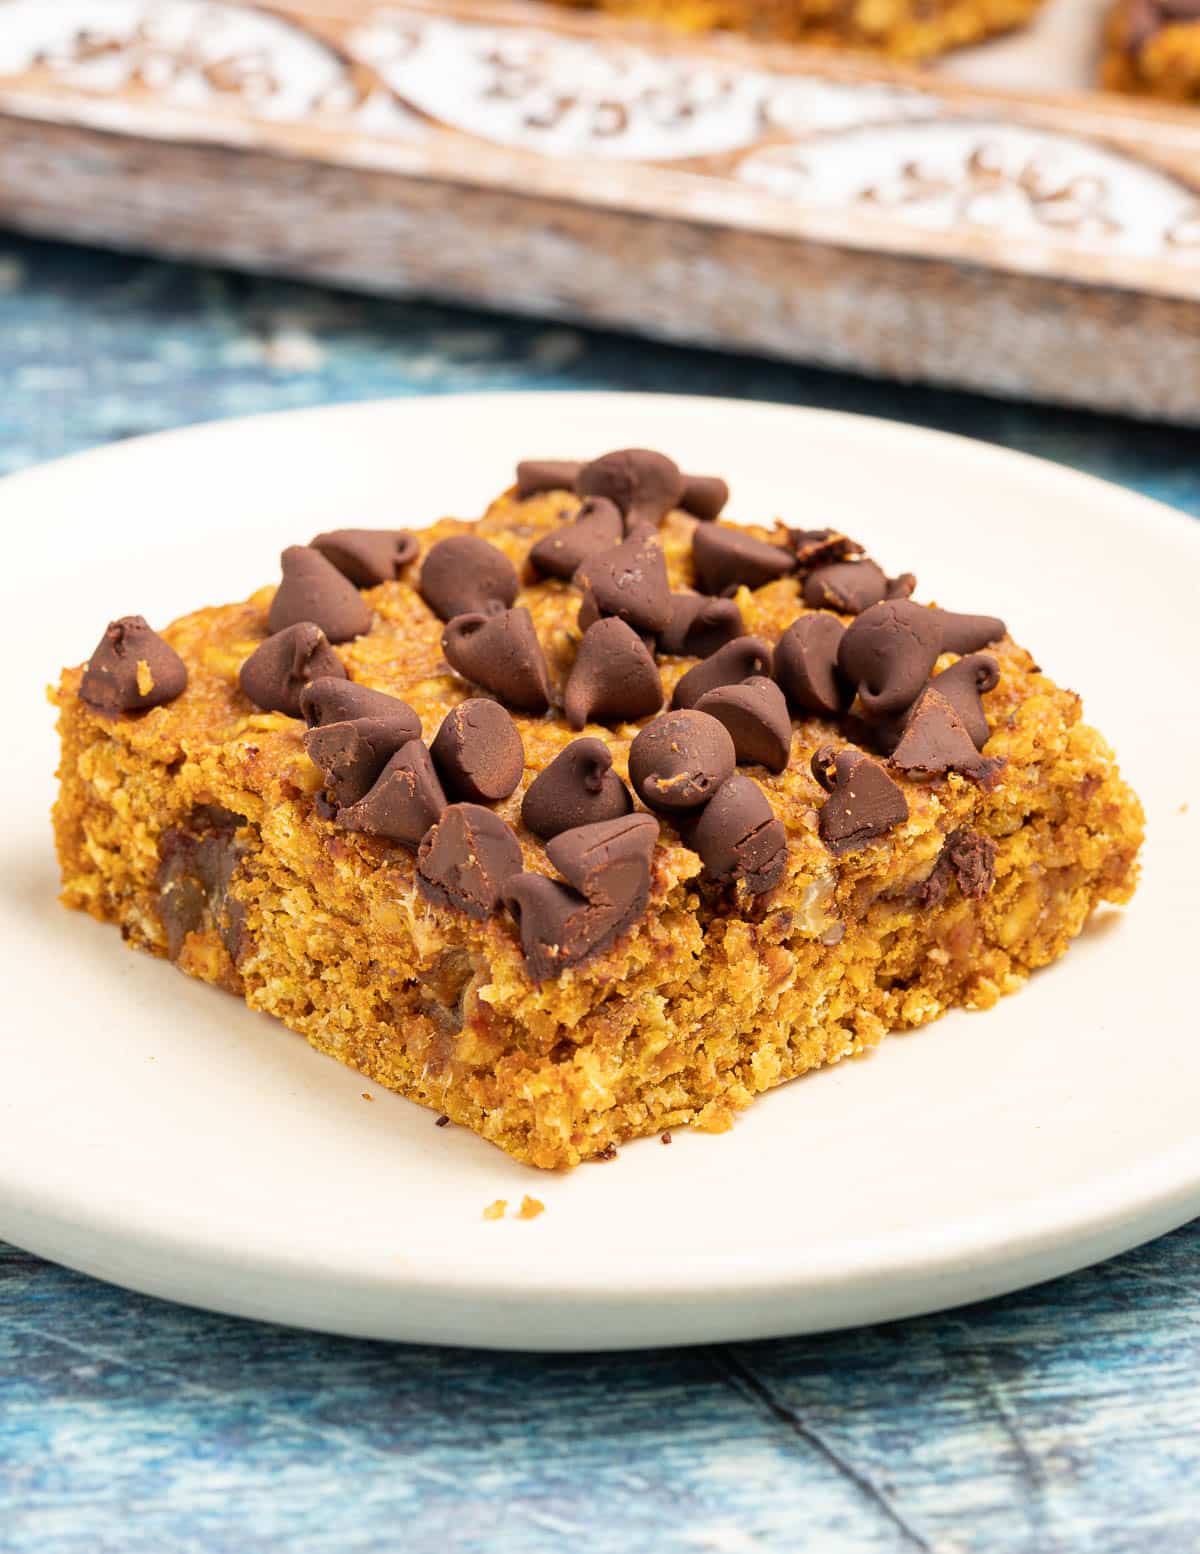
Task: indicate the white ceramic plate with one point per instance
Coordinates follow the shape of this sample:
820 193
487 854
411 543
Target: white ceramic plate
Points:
156 1133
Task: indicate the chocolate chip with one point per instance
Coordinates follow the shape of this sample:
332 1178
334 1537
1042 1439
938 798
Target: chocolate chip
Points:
478 752
132 669
727 558
314 590
935 741
197 863
609 867
553 922
738 836
276 673
756 715
901 587
597 526
340 700
502 653
614 678
863 803
643 484
578 788
821 547
738 660
848 586
537 475
404 802
628 582
467 860
464 575
1143 20
963 685
368 557
1147 17
679 760
968 858
704 496
699 625
351 755
608 862
887 654
973 859
806 666
967 633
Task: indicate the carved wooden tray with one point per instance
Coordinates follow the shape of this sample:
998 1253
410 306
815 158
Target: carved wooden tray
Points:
824 209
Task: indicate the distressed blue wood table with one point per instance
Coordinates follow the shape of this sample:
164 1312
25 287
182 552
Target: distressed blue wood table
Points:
1065 1418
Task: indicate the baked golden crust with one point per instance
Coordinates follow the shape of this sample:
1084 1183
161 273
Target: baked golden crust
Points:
713 997
901 29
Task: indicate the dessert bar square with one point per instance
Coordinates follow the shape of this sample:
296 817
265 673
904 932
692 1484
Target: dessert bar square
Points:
1152 48
595 817
905 29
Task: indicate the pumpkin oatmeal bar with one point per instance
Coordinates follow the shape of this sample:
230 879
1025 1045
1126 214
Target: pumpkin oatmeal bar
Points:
900 29
1152 49
593 818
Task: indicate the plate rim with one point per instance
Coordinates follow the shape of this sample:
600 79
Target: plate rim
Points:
1164 1187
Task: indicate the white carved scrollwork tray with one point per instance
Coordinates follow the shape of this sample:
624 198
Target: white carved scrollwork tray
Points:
822 208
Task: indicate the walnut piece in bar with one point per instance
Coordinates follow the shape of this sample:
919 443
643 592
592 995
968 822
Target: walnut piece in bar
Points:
864 816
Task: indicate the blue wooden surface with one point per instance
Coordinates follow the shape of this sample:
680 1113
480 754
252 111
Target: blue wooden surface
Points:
1065 1418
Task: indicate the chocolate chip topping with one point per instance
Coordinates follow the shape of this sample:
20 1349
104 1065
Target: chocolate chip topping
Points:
963 685
738 836
478 752
821 547
351 755
678 761
404 802
643 484
935 741
630 582
614 678
339 700
806 666
276 673
598 526
726 558
502 653
887 654
554 923
967 633
967 858
368 557
132 669
738 660
699 625
609 862
609 866
468 859
704 496
848 586
314 590
863 803
537 475
578 788
756 715
464 575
